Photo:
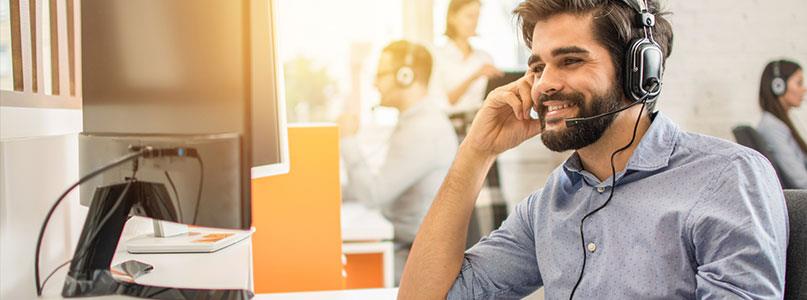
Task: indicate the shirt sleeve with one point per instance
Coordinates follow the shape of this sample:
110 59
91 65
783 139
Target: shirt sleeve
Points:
739 233
408 159
502 265
787 158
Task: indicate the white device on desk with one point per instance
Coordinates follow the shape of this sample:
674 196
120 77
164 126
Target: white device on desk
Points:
193 240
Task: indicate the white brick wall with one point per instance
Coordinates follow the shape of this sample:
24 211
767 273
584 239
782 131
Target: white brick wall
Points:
720 49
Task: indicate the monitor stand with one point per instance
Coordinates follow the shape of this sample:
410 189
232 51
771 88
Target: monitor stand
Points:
90 273
169 237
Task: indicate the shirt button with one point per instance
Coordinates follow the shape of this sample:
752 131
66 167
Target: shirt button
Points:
592 247
601 189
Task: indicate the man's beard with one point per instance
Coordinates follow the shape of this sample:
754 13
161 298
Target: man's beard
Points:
584 133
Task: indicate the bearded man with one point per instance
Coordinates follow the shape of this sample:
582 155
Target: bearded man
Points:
641 209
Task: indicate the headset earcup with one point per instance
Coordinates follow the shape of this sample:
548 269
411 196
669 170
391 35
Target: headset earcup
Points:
778 86
405 76
643 63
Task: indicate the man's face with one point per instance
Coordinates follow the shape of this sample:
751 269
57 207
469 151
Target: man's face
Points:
385 81
574 77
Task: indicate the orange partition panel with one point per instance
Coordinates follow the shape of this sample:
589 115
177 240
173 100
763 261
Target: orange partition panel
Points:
365 271
297 245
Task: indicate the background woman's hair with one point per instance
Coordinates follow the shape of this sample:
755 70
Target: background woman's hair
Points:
769 102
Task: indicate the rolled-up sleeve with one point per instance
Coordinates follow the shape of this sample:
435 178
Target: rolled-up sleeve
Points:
502 265
739 233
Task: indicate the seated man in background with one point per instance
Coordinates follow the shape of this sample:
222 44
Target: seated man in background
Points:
421 147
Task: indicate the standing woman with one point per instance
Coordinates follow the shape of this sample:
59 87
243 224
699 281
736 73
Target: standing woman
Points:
781 89
462 71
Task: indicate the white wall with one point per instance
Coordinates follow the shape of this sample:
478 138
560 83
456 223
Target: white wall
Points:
720 49
38 161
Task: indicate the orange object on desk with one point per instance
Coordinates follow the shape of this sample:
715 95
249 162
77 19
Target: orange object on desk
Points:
297 245
364 271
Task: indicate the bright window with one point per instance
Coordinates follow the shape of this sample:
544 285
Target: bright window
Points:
329 52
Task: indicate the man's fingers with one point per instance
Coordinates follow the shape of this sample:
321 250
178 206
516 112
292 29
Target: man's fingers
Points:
524 94
515 103
515 94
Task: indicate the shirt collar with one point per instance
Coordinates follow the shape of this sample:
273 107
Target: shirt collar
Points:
653 152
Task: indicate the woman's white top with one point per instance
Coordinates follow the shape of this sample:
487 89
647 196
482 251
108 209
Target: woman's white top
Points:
452 69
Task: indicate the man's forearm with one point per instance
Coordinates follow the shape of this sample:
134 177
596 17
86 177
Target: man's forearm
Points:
437 252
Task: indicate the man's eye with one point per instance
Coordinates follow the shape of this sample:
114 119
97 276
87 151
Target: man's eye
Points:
538 69
571 61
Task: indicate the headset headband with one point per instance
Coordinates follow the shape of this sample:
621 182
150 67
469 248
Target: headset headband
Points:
777 73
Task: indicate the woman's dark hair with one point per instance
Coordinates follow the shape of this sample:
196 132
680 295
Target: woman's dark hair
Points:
769 102
453 7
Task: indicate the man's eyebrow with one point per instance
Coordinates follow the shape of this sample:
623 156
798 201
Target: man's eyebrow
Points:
569 50
557 52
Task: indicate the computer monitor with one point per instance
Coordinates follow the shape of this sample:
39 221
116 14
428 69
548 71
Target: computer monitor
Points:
188 67
197 80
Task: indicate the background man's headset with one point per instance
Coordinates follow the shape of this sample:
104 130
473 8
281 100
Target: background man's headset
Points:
778 84
642 83
405 76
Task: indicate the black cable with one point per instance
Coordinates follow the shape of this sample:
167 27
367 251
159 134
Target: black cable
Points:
87 177
199 193
88 242
54 272
611 195
176 195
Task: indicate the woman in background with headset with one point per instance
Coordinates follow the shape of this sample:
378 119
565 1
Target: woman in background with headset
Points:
781 89
462 71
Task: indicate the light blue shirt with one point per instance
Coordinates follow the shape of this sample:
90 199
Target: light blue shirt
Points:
692 217
784 149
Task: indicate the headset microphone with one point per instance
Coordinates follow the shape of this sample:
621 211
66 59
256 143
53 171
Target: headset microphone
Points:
652 86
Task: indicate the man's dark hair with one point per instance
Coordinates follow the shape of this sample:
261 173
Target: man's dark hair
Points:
614 25
421 59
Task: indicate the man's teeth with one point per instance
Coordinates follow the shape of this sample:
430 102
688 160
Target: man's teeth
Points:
557 107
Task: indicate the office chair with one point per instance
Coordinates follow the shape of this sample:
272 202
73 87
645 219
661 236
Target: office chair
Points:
796 269
748 136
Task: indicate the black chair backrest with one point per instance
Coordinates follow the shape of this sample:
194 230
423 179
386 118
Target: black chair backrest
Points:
749 137
796 270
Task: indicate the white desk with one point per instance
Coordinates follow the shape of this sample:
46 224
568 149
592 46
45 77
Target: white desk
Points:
368 294
366 231
363 231
228 268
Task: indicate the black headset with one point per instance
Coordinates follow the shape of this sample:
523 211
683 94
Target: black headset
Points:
405 75
644 60
778 84
644 65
